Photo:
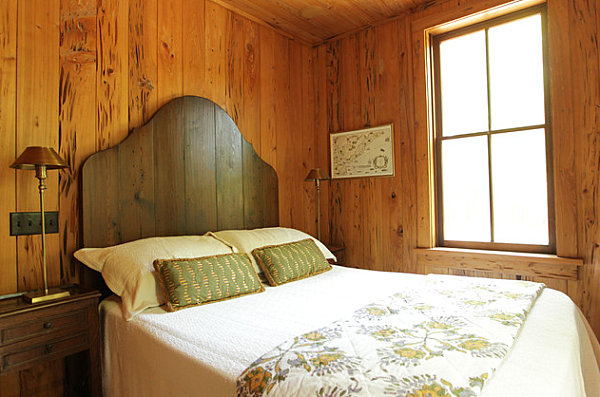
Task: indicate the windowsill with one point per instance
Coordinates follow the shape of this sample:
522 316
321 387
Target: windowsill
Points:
514 263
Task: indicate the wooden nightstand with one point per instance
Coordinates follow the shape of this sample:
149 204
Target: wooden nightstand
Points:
34 333
339 254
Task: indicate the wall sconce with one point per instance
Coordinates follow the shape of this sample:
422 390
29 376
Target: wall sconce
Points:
317 175
40 159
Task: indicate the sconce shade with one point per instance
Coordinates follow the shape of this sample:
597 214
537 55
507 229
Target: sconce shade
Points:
316 174
39 155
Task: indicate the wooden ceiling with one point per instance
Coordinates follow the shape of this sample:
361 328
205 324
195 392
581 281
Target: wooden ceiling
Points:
314 21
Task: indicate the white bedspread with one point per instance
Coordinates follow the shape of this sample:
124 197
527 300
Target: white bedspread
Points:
204 349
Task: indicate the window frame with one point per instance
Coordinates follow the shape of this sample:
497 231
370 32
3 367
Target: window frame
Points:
435 92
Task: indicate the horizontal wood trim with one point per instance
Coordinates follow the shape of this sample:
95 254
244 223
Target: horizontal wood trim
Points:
515 263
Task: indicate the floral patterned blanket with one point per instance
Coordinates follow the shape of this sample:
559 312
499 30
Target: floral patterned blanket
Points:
445 337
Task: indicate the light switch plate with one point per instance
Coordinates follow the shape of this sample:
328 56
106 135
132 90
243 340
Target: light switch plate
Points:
25 223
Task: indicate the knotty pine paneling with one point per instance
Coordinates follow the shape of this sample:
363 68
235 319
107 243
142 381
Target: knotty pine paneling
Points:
78 75
8 87
376 76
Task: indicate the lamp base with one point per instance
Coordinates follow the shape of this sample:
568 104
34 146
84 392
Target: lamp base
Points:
41 296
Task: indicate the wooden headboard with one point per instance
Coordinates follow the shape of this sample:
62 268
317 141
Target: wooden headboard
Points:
187 171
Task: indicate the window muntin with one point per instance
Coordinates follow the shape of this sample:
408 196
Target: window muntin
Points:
492 126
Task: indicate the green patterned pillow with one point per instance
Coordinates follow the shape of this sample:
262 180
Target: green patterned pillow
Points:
293 261
197 281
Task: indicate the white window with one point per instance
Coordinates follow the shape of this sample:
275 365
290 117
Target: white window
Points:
493 162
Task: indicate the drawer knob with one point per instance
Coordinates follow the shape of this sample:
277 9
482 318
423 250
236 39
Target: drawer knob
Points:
48 349
47 325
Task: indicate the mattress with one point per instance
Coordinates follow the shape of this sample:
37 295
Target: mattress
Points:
204 349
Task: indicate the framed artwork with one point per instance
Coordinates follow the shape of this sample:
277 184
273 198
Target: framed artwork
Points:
362 153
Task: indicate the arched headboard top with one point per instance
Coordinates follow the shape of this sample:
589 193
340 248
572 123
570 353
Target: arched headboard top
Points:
188 170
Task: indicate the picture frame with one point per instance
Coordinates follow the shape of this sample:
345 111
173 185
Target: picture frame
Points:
367 152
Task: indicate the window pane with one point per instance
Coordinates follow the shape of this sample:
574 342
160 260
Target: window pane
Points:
520 187
516 73
466 189
464 84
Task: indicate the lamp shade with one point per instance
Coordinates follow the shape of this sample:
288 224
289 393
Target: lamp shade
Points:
39 155
316 174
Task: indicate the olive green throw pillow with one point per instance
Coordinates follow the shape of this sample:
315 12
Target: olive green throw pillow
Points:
197 281
292 261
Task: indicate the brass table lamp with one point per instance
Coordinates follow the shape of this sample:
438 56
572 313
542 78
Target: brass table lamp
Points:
317 175
40 159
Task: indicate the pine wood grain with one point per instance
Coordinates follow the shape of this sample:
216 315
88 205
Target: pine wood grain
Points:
143 63
37 125
319 20
77 109
535 265
584 33
65 97
170 50
193 48
8 83
268 137
112 71
400 92
215 53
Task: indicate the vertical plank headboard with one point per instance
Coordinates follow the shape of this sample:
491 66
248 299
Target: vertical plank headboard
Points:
187 171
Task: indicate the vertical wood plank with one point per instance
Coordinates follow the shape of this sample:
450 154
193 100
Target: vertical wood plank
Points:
234 59
37 125
169 172
268 100
143 63
95 218
584 31
254 215
230 188
200 162
307 157
284 142
193 48
170 48
216 53
249 122
136 185
8 91
112 84
406 140
77 108
320 72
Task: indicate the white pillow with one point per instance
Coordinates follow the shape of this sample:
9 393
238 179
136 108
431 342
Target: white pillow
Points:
247 240
127 268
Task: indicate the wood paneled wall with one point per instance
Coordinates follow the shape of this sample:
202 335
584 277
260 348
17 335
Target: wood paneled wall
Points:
376 76
78 75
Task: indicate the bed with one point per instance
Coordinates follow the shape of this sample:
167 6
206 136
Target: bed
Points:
189 171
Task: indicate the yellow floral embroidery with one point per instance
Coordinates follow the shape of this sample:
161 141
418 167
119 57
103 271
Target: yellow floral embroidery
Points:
410 353
438 325
258 379
375 311
383 333
429 391
475 344
314 336
503 316
325 358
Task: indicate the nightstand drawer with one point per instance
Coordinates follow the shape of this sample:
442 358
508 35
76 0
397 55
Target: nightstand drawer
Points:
27 326
45 351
